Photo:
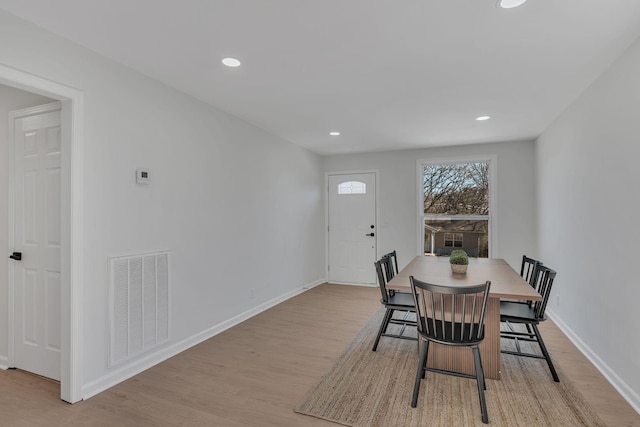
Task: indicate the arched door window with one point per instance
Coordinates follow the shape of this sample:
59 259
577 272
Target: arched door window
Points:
352 187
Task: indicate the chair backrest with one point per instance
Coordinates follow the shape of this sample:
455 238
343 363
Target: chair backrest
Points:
393 263
544 282
451 314
382 280
529 270
387 266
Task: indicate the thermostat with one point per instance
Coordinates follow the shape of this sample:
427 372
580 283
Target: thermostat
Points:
143 176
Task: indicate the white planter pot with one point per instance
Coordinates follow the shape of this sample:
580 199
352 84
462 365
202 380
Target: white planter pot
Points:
458 268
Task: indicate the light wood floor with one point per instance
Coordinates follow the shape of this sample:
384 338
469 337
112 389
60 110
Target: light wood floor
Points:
255 373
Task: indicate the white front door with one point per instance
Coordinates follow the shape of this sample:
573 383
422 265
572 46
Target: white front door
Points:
36 236
352 228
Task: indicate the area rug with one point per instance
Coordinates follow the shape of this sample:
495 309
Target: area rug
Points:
366 388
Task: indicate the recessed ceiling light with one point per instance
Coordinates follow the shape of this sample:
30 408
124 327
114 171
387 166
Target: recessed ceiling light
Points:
510 4
231 62
482 118
334 133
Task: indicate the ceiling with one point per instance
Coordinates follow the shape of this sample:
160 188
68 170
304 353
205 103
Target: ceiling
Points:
387 74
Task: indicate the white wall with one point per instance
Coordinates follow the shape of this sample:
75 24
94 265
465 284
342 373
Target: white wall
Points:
587 169
10 99
397 224
237 207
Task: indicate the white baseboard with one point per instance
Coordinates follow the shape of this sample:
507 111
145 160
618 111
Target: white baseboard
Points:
630 395
366 285
117 376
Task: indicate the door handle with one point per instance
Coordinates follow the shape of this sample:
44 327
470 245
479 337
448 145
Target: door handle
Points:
370 234
16 255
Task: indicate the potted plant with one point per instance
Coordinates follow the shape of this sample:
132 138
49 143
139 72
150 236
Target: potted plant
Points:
459 261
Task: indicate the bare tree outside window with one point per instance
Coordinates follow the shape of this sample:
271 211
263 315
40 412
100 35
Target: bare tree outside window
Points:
456 200
456 189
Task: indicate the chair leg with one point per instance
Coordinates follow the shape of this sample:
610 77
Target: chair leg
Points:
481 384
426 357
383 327
484 382
420 372
545 353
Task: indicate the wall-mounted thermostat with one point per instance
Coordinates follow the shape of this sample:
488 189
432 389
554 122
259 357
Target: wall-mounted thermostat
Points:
143 176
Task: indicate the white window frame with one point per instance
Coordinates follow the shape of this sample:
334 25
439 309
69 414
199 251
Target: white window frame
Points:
492 218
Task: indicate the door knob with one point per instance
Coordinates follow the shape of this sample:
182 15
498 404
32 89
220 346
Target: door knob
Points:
370 234
16 255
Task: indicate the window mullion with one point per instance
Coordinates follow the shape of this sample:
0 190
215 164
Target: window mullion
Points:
441 217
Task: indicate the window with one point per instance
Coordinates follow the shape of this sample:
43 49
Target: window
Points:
352 187
453 240
456 207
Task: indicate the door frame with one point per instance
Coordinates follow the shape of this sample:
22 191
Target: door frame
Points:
72 139
376 174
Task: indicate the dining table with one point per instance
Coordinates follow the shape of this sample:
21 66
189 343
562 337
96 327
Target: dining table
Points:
506 283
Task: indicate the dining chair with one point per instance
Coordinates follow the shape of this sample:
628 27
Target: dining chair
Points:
393 301
529 272
390 267
451 315
530 315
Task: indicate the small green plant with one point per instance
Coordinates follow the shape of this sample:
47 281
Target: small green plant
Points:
459 257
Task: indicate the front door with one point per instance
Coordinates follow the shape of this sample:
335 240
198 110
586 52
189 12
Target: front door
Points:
36 239
352 228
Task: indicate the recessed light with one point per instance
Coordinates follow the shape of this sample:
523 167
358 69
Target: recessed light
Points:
510 4
482 118
334 133
231 62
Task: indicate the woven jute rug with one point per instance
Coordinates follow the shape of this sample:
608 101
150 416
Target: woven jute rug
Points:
366 388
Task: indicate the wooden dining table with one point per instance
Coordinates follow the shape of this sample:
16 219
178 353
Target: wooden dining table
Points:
505 283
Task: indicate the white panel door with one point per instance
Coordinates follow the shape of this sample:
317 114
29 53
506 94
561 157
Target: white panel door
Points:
352 228
37 168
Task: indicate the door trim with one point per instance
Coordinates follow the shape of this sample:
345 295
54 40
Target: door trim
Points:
72 134
376 174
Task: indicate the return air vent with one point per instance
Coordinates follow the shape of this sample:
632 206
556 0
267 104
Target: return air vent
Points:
138 304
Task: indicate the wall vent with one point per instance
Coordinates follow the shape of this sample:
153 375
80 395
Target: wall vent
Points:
138 304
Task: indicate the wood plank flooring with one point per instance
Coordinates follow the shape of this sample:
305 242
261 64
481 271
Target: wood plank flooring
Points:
255 373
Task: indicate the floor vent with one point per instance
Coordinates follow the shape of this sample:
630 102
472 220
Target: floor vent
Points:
138 304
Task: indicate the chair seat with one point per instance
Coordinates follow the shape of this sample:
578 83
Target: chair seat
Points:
401 300
517 312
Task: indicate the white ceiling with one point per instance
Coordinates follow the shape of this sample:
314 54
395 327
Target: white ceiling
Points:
388 74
